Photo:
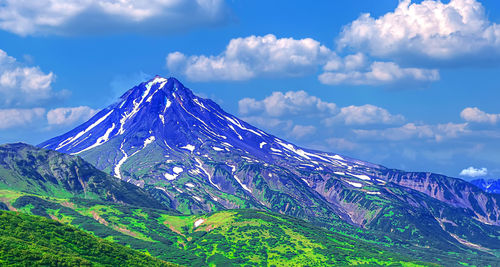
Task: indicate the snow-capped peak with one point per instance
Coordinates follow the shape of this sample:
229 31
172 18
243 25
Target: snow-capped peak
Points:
163 114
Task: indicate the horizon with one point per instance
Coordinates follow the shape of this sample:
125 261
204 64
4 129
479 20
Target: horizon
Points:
426 103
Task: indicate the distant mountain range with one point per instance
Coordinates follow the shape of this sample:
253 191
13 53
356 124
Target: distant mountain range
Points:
197 158
490 186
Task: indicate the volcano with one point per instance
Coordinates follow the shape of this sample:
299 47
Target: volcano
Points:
198 158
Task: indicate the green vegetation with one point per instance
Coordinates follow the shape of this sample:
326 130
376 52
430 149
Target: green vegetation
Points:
48 173
33 241
71 191
249 237
227 238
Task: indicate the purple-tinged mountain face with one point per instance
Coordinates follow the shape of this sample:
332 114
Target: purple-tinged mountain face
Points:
160 133
490 186
198 158
165 114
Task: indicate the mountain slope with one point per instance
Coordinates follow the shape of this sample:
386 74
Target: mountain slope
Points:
490 186
263 237
33 241
226 238
48 189
203 159
44 172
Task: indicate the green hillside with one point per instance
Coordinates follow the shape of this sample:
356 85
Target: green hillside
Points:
33 241
44 172
69 190
234 238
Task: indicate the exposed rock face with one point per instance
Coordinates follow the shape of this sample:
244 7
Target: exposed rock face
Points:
456 192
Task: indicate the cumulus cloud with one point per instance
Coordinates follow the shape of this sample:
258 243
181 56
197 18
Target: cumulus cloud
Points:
289 103
68 17
264 56
366 114
23 85
476 115
270 123
10 118
378 73
341 144
286 112
430 30
286 127
415 131
69 116
301 104
290 114
249 57
473 172
300 131
350 62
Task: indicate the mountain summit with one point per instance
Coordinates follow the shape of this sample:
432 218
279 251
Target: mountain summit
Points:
160 133
192 154
165 113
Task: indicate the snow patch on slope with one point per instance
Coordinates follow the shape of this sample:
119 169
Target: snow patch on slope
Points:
233 170
200 166
237 123
199 221
126 116
148 141
170 177
189 147
361 176
358 185
101 140
72 139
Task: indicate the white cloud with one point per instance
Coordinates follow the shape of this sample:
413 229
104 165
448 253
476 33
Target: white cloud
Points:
22 85
10 118
350 62
264 56
407 131
378 73
269 122
70 17
430 30
253 56
69 116
341 144
300 107
300 131
476 115
473 172
450 130
416 131
290 114
366 114
289 103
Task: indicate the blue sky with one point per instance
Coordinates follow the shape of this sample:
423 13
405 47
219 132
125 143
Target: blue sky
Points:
407 84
